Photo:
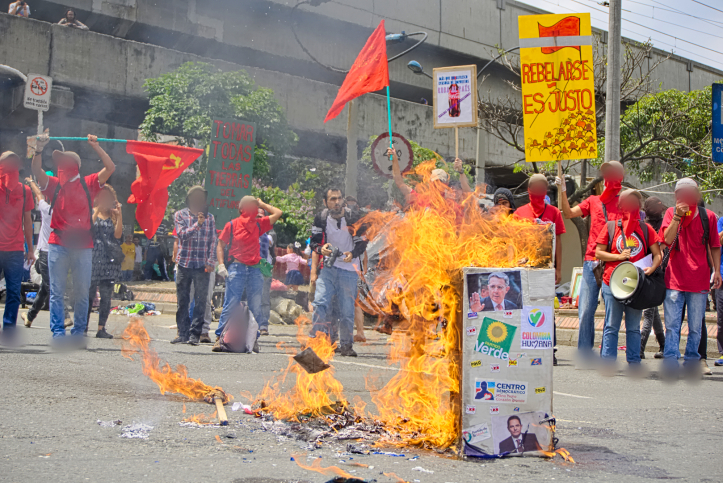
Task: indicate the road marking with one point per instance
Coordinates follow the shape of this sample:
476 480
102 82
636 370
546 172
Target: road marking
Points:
571 395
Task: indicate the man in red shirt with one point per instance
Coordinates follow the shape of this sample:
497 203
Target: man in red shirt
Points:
632 240
244 258
600 209
538 211
16 229
687 277
70 246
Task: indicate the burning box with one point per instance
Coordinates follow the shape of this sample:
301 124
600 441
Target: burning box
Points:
507 351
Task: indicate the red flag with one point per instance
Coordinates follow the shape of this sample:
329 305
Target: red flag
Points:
369 73
159 166
568 26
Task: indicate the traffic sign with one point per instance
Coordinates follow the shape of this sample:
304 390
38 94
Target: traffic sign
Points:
37 92
717 123
381 161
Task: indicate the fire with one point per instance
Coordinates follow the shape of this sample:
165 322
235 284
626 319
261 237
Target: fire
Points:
136 339
202 418
313 394
316 466
426 248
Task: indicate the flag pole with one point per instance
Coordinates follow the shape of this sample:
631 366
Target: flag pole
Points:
389 116
100 140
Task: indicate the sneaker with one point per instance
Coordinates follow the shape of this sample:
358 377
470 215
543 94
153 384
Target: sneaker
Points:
217 346
28 322
179 340
658 355
718 362
77 342
637 371
194 340
642 355
205 339
68 322
102 334
706 369
264 331
348 352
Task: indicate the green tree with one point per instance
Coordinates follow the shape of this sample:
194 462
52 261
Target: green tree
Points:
298 208
183 103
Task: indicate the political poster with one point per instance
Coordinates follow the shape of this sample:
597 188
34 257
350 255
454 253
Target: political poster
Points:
230 167
536 328
558 88
455 96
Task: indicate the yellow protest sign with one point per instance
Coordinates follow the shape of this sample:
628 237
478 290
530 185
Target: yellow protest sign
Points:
558 89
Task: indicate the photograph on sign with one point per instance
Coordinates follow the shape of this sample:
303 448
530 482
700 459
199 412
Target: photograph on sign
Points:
38 89
382 163
230 167
495 291
455 96
519 433
558 88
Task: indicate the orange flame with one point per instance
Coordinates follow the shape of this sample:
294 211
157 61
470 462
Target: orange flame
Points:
313 394
316 466
203 419
136 339
395 477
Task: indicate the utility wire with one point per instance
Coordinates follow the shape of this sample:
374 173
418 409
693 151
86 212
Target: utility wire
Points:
706 5
679 12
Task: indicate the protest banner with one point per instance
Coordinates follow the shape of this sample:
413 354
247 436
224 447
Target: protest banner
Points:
455 99
558 88
230 167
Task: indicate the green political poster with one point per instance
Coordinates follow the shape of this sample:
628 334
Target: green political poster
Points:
230 167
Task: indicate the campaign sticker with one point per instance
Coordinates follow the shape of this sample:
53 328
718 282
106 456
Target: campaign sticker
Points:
512 363
469 409
505 392
517 409
476 433
494 409
537 361
495 338
494 368
507 314
540 390
475 363
536 328
471 315
472 330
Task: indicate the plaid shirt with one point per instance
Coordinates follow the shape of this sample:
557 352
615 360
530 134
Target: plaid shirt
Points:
264 246
196 244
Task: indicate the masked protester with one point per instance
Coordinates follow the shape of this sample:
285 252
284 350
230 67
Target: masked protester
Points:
70 245
16 230
107 254
600 209
632 240
654 211
690 232
196 232
244 259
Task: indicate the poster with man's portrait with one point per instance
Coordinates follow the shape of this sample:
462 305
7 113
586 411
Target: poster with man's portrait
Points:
520 433
495 291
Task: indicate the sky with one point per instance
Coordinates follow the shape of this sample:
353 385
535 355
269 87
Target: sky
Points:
689 28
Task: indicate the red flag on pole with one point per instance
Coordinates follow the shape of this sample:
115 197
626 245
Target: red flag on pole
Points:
159 166
369 73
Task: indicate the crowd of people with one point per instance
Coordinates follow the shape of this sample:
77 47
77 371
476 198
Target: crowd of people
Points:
22 9
80 252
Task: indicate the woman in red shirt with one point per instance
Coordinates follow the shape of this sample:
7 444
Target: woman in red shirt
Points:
629 243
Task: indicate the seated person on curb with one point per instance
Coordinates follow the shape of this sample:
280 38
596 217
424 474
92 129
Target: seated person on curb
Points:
632 241
244 259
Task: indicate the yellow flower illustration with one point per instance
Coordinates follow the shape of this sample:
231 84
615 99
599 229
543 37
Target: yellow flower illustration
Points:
497 332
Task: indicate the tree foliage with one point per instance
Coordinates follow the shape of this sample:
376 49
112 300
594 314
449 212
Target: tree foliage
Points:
297 206
184 102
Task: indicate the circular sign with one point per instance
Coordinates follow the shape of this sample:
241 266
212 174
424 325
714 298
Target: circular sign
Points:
38 86
381 161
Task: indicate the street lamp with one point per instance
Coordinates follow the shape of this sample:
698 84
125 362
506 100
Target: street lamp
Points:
417 68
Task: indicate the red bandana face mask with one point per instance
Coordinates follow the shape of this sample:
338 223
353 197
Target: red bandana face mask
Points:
631 220
537 202
691 200
9 176
67 170
613 185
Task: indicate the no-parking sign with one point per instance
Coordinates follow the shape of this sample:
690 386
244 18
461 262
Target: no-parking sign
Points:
382 163
37 92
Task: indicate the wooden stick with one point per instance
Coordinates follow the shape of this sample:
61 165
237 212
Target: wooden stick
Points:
456 142
559 190
222 418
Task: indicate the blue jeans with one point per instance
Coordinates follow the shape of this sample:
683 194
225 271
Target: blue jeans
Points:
673 305
60 261
11 263
614 311
343 283
242 277
127 275
587 305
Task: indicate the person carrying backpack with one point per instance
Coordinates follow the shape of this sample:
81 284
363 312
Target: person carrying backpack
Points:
627 239
690 231
70 245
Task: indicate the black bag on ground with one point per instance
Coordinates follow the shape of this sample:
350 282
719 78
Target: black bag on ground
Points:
240 334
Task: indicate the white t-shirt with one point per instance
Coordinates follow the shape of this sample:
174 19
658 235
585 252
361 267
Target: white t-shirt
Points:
44 208
139 254
338 235
25 12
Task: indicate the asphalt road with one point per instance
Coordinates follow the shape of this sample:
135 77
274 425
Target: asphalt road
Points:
616 428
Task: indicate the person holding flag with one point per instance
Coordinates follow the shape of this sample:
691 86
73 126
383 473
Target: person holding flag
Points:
71 241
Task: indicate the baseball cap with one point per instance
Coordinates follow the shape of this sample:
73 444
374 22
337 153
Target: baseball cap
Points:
439 175
67 154
685 183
